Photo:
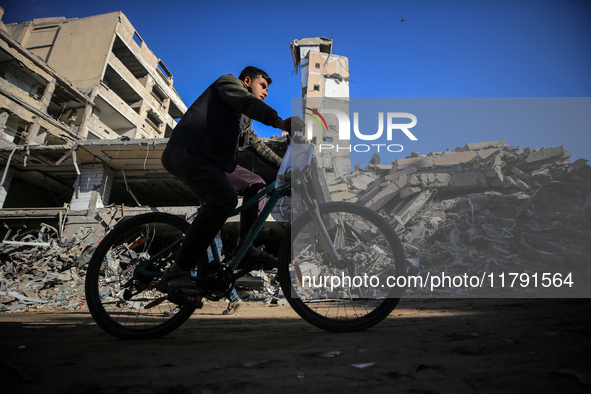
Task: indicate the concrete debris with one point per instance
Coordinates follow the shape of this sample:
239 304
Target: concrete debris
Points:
484 207
261 285
37 272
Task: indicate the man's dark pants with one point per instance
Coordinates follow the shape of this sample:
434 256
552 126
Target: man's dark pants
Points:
218 193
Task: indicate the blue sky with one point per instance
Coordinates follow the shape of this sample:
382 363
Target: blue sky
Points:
462 48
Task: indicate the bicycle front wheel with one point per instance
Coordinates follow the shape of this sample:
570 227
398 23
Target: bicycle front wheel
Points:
123 271
349 295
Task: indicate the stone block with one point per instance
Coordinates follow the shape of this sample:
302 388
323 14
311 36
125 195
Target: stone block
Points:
402 180
361 180
414 180
486 153
419 162
409 191
539 157
518 174
442 179
338 188
427 179
454 159
383 197
366 196
494 177
485 145
464 179
394 175
343 196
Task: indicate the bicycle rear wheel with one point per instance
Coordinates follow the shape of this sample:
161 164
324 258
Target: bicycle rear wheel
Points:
343 296
120 289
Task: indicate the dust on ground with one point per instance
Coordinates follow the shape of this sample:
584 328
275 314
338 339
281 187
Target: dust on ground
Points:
424 346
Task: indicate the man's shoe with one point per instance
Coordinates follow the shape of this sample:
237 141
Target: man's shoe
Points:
180 289
233 306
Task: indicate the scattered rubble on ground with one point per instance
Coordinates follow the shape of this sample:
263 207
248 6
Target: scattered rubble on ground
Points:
486 207
38 271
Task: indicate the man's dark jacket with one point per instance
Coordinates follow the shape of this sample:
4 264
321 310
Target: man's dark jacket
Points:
211 127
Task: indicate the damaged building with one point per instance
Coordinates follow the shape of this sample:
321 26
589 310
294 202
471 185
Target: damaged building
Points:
130 90
67 84
325 86
86 108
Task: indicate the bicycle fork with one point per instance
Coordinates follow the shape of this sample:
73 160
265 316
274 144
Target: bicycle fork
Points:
328 245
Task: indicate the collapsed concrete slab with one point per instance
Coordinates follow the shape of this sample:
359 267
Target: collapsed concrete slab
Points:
474 167
487 207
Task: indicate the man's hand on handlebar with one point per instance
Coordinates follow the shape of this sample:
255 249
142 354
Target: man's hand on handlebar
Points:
292 124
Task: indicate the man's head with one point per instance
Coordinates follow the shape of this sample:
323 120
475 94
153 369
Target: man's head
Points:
257 80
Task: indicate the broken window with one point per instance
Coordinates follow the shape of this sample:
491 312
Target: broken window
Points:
110 120
66 106
14 128
168 131
122 88
137 39
174 111
33 189
159 94
18 75
39 137
153 119
163 70
128 58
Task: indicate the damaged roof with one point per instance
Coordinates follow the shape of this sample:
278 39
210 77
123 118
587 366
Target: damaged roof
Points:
135 164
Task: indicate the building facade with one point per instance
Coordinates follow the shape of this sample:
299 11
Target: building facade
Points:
85 109
325 85
130 89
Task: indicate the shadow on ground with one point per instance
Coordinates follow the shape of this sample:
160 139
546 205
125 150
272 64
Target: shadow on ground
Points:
425 346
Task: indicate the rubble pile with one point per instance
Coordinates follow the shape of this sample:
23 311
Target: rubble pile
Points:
37 271
485 207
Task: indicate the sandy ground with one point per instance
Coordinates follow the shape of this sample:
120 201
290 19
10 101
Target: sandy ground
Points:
425 346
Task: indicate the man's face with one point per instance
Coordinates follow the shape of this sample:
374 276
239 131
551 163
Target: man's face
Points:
258 85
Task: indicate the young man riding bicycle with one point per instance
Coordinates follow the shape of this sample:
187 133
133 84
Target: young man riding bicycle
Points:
202 152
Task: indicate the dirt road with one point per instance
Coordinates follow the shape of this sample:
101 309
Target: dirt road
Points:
443 346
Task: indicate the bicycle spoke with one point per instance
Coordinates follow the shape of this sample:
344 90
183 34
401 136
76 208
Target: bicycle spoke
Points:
123 272
337 295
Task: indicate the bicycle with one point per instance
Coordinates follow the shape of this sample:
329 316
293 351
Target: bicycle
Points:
333 239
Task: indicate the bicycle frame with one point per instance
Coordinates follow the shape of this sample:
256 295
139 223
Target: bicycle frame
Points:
273 197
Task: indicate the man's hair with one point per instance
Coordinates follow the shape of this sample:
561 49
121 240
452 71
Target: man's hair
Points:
254 72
